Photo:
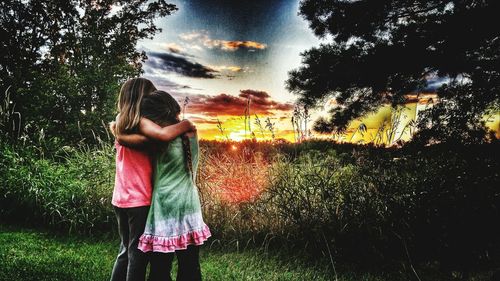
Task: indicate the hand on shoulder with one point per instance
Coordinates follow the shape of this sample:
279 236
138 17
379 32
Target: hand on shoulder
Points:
191 125
191 134
112 127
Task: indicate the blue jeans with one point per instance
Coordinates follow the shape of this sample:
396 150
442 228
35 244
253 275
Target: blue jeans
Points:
131 263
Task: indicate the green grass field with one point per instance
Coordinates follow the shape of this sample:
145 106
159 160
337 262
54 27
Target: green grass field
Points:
27 254
32 255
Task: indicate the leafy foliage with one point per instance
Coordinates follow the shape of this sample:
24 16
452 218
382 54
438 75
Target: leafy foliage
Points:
64 60
374 205
69 190
381 51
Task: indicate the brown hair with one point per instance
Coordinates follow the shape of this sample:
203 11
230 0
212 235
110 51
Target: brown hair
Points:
161 108
129 104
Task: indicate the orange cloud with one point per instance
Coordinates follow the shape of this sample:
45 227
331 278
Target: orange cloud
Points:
422 98
234 45
231 68
225 45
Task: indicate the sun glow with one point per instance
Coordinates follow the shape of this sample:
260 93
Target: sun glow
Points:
232 128
237 135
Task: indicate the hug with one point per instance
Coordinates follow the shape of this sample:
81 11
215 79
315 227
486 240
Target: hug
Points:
155 197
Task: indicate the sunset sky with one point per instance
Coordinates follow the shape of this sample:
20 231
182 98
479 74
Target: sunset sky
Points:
221 53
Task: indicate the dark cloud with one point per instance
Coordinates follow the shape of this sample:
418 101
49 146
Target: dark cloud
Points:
163 83
179 64
259 95
434 83
224 104
176 49
263 99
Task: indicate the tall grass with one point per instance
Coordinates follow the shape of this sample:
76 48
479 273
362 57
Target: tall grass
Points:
375 206
68 190
351 203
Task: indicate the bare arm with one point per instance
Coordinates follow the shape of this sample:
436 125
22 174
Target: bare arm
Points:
131 140
151 130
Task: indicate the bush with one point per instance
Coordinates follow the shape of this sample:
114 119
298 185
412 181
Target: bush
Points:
330 205
71 191
439 203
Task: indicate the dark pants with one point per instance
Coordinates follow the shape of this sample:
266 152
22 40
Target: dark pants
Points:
131 263
188 261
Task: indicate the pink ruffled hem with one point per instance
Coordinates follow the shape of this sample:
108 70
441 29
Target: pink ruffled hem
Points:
152 243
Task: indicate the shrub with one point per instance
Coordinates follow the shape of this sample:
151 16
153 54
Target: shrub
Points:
328 203
69 192
439 203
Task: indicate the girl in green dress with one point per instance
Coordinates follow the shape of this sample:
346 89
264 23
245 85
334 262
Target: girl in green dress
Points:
174 223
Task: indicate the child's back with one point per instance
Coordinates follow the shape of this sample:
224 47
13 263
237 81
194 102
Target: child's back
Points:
175 219
131 200
133 186
133 176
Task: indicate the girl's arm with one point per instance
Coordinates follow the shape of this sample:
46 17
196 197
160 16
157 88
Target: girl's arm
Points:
153 131
131 140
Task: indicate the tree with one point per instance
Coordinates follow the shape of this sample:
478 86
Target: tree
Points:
382 50
64 61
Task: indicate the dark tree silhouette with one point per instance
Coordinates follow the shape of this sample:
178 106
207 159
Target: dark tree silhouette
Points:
379 51
63 61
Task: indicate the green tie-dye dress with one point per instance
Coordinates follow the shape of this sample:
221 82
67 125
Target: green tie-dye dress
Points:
174 220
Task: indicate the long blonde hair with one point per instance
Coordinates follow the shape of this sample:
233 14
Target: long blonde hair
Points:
129 104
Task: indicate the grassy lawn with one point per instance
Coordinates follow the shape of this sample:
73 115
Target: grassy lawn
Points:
33 255
36 255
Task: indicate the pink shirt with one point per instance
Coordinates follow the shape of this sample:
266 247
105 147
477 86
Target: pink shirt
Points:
134 171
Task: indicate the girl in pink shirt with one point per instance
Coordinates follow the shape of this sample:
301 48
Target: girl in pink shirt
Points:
133 186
